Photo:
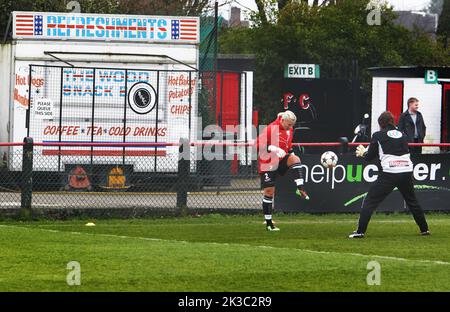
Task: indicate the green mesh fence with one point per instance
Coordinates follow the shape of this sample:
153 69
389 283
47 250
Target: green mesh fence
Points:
207 42
207 63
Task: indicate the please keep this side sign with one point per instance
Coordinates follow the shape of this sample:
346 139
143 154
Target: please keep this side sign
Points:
302 71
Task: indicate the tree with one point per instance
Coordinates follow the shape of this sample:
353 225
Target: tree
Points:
163 7
261 16
264 5
444 24
282 4
332 35
435 6
97 6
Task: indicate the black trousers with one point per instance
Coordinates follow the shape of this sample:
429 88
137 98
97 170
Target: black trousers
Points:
384 185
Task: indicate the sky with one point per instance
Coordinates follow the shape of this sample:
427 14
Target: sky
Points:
413 5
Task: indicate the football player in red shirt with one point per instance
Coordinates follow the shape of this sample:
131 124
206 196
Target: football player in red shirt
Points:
275 157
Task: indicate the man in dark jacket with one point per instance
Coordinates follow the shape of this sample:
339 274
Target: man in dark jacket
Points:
391 148
412 124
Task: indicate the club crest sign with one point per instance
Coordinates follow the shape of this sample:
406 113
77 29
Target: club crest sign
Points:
142 98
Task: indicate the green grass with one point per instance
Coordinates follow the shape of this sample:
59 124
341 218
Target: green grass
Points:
225 253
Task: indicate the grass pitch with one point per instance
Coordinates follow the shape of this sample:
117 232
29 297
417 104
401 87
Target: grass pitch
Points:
225 253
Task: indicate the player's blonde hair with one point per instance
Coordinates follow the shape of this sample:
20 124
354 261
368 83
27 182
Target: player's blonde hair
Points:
287 115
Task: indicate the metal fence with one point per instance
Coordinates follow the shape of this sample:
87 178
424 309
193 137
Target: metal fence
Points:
120 105
192 183
196 184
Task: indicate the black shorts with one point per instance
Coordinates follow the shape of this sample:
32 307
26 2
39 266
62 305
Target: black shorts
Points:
268 178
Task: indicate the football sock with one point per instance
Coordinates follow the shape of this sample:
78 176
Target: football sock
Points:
267 209
298 175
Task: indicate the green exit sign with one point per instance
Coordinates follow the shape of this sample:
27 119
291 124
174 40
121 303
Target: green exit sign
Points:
302 71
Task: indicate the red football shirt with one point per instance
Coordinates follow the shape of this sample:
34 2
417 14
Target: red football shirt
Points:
273 134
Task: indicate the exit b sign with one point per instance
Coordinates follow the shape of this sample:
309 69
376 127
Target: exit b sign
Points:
302 71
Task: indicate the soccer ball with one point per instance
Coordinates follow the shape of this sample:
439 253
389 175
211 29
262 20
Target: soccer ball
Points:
329 159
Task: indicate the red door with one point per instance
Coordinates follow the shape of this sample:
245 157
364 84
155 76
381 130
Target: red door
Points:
445 133
227 112
394 98
227 105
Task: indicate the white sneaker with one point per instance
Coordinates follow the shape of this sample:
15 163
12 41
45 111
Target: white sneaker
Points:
272 228
356 235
